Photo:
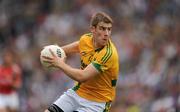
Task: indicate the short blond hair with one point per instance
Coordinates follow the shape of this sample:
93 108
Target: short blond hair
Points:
100 17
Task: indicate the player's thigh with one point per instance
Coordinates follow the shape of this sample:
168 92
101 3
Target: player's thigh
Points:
66 102
90 109
91 106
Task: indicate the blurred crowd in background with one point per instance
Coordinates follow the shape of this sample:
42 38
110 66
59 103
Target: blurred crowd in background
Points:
145 32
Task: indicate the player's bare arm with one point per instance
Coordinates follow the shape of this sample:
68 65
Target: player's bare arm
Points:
71 48
76 74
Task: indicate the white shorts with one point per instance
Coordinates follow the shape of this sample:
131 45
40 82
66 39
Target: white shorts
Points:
70 102
9 100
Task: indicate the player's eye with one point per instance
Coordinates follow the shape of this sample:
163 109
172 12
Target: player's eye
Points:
108 28
105 28
101 28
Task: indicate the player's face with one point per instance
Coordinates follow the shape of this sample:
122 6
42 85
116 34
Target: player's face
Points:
102 33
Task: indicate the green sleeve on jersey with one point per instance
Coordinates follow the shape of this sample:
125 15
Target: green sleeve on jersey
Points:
75 88
97 66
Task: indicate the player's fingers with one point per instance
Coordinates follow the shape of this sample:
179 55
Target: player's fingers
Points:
46 57
47 60
52 53
51 65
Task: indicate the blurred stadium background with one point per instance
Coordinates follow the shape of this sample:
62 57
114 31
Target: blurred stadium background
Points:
146 33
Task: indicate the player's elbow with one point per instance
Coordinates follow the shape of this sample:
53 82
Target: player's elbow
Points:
81 78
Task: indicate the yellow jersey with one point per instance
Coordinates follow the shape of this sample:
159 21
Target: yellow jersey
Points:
100 88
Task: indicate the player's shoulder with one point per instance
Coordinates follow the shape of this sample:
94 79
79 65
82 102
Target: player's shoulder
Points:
114 50
107 53
111 50
86 36
113 47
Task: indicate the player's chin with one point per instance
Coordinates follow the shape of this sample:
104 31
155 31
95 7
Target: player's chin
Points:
104 43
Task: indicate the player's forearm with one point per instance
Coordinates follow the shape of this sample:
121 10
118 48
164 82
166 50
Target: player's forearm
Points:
71 48
75 74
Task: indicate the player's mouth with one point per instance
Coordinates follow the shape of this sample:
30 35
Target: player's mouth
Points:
105 40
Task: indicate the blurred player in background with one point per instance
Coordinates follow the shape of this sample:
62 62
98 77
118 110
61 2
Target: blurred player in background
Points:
10 81
96 80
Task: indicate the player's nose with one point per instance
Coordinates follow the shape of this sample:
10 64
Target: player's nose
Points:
107 33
